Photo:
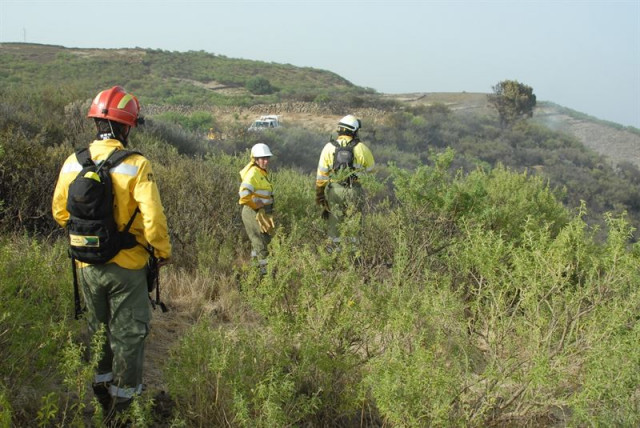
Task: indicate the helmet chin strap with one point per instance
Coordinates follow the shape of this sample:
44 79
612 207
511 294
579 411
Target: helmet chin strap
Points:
111 127
107 136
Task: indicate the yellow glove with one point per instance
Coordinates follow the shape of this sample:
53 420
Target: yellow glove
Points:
265 221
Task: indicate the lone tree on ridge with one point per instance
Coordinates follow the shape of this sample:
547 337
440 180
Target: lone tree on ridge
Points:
513 101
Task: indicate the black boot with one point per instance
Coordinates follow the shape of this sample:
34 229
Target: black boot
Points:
101 391
116 416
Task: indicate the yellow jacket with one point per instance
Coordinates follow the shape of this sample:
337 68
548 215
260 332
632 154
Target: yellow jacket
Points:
133 186
256 190
362 160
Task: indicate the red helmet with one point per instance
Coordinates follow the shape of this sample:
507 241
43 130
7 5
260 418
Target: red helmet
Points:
117 105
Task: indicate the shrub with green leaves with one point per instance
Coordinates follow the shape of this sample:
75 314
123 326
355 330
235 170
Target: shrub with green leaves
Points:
259 86
36 315
196 121
237 377
472 297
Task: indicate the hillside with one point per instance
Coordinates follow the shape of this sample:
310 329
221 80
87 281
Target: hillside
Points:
199 91
617 143
492 280
162 77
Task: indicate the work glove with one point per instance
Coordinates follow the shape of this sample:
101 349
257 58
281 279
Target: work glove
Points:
265 221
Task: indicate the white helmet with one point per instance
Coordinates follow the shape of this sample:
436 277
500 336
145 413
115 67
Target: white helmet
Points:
350 123
260 150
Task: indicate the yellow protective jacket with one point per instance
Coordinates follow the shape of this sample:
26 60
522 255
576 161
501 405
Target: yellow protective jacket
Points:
133 186
362 160
256 190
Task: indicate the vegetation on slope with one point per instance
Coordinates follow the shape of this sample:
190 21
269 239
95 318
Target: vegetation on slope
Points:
163 77
479 295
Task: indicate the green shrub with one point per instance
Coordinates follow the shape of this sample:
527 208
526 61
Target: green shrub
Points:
36 313
196 121
538 310
239 377
200 201
5 408
28 170
259 86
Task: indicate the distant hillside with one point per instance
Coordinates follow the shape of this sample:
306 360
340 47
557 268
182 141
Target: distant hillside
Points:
183 79
616 142
191 78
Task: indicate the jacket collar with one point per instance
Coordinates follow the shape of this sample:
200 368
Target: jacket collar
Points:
343 140
110 143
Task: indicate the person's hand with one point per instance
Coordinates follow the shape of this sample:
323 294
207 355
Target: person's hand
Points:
265 221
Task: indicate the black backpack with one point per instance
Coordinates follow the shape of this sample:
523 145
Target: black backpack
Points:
343 155
93 234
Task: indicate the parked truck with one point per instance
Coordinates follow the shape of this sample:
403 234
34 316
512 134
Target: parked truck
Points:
269 121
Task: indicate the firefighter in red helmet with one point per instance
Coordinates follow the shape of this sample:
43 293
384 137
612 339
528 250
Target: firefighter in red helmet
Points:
115 290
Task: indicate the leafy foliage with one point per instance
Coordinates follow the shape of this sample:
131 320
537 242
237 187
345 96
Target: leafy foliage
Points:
513 100
259 86
482 291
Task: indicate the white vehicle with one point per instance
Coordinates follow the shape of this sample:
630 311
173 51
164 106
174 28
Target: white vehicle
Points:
270 121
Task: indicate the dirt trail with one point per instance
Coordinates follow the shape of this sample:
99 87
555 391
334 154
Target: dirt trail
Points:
166 329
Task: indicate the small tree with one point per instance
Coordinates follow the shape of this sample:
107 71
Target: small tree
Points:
513 101
259 86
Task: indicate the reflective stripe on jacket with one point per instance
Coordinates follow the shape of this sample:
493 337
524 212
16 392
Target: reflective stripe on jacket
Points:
133 186
256 189
362 160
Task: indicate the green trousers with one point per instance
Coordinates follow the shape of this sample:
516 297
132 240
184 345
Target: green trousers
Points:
344 201
259 240
117 299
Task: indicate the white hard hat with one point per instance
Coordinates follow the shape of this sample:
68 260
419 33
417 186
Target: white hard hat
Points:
350 122
260 150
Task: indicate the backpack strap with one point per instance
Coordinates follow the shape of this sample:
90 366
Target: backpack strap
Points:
78 309
354 142
118 156
84 157
114 158
153 281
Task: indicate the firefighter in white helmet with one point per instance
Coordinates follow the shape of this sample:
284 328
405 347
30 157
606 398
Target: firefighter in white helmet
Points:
256 198
338 191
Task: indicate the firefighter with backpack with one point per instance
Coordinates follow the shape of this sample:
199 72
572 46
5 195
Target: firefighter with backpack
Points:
108 201
338 191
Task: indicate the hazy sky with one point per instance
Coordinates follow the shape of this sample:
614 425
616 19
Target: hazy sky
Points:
580 54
